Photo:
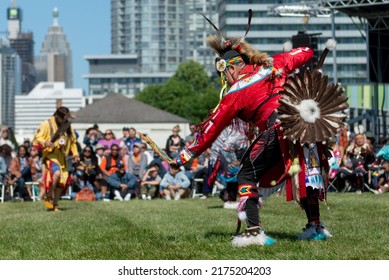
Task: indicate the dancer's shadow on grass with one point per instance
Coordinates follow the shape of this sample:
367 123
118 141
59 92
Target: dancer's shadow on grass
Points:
61 209
217 234
273 234
281 235
215 207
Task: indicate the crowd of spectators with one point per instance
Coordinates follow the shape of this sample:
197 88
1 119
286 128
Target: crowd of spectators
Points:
110 168
359 161
122 168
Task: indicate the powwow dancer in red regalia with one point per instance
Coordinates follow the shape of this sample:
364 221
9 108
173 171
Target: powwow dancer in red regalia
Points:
291 123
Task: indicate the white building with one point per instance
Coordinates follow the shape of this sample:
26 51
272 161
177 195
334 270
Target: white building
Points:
116 111
41 103
118 73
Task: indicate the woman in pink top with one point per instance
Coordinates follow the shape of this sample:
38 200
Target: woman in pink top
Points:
109 139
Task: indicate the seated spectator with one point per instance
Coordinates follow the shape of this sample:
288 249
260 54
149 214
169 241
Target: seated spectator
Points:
161 167
383 181
109 165
355 161
126 133
89 172
150 183
27 143
5 138
99 153
6 154
189 138
123 152
108 141
82 184
123 184
38 177
3 173
165 164
174 143
3 170
174 184
199 164
383 154
129 139
22 168
100 135
191 168
335 160
91 137
147 153
137 162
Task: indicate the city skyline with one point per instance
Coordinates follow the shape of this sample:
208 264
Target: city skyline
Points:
87 27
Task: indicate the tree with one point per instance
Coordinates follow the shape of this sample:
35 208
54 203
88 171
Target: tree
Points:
189 93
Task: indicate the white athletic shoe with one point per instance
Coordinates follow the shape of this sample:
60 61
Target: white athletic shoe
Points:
178 197
127 197
168 197
144 196
118 196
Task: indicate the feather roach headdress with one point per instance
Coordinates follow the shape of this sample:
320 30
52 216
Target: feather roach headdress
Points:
310 107
234 51
223 46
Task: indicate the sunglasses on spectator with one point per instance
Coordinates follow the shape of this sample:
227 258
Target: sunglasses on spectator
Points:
108 133
89 151
114 150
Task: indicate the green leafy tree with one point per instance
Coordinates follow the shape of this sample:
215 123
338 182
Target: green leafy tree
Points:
189 93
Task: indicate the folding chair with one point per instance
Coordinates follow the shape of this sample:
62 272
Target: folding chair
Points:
3 188
68 194
32 186
332 179
347 186
217 187
346 174
195 182
2 192
370 189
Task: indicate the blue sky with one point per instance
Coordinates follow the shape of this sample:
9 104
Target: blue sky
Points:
87 25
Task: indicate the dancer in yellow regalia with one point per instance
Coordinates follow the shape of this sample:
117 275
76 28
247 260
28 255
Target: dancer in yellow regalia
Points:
56 139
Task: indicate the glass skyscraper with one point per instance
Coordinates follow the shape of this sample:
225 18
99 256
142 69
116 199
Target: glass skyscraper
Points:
161 34
10 82
149 39
151 29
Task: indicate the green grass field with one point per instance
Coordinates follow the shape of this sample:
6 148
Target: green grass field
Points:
189 229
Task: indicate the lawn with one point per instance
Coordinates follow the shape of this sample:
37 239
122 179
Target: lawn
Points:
189 229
